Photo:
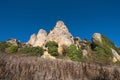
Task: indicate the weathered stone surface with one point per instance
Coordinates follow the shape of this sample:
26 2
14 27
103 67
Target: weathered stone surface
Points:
41 38
77 41
116 55
46 55
85 53
32 40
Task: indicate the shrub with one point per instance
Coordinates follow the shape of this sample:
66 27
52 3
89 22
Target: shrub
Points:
12 49
103 50
51 44
3 46
32 50
52 48
74 53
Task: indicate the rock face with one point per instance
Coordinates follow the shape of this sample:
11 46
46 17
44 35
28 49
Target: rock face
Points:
32 39
41 38
116 56
61 35
47 56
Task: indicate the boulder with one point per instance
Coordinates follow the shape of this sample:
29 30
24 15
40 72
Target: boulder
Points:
97 37
46 55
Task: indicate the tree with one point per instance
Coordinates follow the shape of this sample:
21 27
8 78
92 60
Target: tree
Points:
3 46
12 49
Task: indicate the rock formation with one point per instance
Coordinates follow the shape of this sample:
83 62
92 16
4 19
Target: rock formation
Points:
32 39
41 38
116 56
46 55
61 35
15 42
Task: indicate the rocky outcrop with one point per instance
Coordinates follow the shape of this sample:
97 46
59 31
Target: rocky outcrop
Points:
32 40
61 35
41 38
97 37
116 55
46 55
77 41
15 42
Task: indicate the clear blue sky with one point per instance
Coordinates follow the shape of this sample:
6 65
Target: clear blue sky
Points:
20 18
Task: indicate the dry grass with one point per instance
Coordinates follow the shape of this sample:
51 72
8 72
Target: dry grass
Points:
21 67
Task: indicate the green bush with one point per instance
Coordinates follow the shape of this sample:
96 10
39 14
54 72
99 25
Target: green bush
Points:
12 49
51 44
52 48
74 53
3 46
32 50
103 50
103 55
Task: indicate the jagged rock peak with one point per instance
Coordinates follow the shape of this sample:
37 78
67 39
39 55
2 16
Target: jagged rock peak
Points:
61 35
97 36
41 38
42 31
60 24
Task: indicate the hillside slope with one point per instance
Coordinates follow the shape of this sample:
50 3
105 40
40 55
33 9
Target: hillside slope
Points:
21 67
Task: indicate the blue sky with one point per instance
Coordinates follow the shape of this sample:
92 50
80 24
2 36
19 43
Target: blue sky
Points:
20 18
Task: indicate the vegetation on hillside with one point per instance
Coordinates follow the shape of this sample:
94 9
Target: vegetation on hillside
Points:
103 52
7 47
98 52
52 48
32 51
75 53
